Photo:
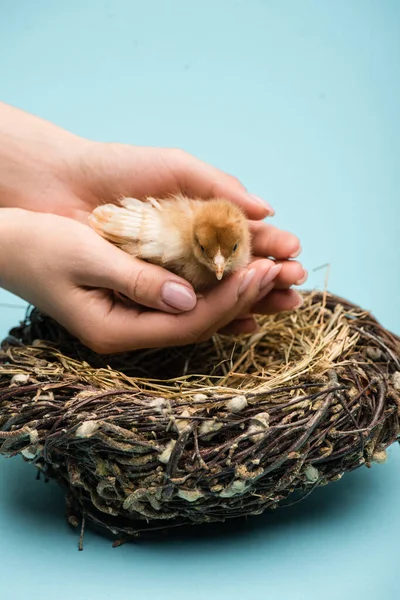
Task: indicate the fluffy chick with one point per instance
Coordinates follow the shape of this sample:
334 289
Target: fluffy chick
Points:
199 240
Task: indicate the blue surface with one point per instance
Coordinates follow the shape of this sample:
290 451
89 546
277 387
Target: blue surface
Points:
301 100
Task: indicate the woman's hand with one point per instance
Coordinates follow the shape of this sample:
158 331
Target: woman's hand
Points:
67 271
110 171
44 168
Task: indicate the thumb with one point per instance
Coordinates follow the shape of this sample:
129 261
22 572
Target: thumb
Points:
142 282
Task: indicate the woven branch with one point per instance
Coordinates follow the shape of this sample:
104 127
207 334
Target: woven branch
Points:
160 438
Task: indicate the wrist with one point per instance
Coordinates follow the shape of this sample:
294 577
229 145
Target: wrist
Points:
12 223
35 158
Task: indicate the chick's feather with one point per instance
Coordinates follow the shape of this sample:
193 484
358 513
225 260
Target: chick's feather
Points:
196 239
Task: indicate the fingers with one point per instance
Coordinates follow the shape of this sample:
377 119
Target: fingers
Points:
282 245
124 328
198 178
153 287
240 327
143 283
268 240
276 297
291 273
122 170
278 301
281 276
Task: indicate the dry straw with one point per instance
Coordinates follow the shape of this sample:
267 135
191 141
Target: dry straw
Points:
162 438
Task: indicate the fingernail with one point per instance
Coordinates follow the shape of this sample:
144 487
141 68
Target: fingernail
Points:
263 203
299 303
265 291
246 280
303 279
178 296
270 276
296 254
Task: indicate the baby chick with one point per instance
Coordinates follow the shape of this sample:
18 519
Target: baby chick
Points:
199 240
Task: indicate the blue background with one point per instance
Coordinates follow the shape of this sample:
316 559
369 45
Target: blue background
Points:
301 100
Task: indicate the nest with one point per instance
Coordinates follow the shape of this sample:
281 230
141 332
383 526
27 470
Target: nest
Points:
156 439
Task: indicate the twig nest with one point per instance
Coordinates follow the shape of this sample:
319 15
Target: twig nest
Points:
160 438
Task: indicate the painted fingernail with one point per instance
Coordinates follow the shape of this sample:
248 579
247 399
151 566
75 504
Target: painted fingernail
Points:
270 276
265 291
263 203
303 279
296 254
246 280
299 302
178 296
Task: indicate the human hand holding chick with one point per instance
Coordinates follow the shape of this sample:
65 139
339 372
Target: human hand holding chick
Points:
114 171
199 240
68 272
46 169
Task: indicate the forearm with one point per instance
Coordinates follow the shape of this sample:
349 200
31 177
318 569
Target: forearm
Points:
24 256
19 125
12 226
34 156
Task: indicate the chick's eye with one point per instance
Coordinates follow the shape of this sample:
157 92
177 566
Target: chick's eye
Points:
234 248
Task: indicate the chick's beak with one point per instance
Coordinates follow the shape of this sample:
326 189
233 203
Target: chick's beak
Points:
219 265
